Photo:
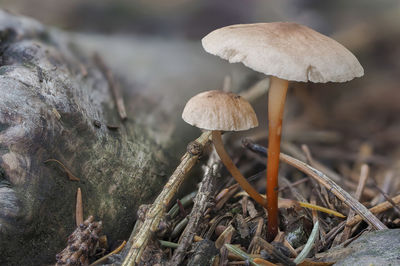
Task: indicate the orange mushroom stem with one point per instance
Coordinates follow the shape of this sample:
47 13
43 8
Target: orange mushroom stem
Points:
276 104
227 161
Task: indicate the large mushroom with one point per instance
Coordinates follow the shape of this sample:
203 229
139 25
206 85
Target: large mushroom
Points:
223 111
287 52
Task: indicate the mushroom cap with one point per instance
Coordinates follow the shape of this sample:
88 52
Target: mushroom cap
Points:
286 50
219 110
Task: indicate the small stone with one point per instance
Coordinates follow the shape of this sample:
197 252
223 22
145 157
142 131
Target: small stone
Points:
374 248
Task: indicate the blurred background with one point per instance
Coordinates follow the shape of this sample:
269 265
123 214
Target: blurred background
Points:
361 116
193 19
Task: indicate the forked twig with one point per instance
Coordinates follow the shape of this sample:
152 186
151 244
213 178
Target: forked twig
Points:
158 208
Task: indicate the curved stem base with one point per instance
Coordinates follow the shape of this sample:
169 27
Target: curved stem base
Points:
227 161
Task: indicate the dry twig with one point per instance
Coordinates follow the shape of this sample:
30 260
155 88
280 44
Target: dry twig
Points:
384 206
115 251
69 173
326 182
200 206
157 210
337 190
271 250
386 186
114 86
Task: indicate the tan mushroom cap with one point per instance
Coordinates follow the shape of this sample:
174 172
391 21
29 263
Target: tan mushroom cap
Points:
219 110
286 50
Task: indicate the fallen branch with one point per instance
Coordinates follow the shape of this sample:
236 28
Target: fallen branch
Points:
158 208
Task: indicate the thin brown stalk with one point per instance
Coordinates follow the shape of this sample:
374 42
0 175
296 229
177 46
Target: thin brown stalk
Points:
115 251
114 86
69 173
79 208
231 167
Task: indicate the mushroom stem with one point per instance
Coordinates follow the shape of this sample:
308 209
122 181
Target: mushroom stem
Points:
227 161
276 104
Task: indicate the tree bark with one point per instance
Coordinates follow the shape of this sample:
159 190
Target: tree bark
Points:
51 96
56 104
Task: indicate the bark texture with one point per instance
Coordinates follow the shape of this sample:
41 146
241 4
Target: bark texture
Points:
55 104
51 95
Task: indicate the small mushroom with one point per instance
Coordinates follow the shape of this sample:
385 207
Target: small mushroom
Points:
287 52
223 111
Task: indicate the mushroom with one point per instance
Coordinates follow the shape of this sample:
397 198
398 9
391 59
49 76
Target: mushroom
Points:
287 52
223 111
